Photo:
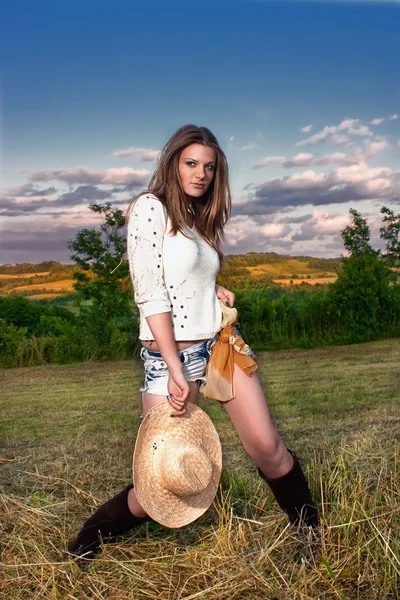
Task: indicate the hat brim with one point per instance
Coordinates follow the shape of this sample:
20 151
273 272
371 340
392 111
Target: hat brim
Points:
161 504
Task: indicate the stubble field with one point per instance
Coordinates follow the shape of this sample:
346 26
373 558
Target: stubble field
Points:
66 440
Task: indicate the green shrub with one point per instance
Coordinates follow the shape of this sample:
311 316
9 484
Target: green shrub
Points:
12 342
361 298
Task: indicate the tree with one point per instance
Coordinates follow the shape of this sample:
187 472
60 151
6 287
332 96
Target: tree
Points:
361 296
100 255
356 236
390 232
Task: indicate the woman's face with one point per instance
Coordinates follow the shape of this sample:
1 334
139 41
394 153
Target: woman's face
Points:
197 166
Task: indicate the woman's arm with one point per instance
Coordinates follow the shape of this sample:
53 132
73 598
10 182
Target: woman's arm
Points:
161 328
145 234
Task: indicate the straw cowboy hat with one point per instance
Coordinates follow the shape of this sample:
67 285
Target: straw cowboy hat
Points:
177 464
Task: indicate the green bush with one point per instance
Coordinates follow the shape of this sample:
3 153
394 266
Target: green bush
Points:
12 342
361 299
41 334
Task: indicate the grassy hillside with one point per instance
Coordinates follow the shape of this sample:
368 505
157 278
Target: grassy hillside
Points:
258 267
55 287
4 276
293 271
291 267
35 280
67 436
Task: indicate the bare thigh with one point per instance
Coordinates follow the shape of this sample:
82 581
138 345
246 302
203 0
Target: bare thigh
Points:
252 420
150 400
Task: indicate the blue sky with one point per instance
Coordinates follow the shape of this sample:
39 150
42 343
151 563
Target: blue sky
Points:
303 97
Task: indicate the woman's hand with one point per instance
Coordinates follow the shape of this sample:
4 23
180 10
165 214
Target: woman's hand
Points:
225 295
178 390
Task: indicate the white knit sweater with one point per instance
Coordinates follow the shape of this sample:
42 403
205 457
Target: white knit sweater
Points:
171 273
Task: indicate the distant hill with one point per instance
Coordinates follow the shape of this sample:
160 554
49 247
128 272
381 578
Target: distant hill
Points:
51 279
252 259
249 260
48 279
260 269
47 266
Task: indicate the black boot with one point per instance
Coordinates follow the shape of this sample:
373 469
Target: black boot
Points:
293 495
110 520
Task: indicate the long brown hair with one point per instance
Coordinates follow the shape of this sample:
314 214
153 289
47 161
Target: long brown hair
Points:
213 209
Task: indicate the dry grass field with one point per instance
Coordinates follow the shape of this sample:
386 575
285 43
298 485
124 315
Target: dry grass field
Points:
61 285
52 287
47 296
296 281
288 268
66 440
24 275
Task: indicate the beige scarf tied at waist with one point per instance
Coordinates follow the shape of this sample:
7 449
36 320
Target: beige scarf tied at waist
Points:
230 348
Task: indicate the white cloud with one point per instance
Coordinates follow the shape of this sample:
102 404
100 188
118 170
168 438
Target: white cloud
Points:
276 230
321 224
239 200
393 117
377 121
143 154
300 160
302 180
339 158
84 175
326 228
361 173
245 235
329 223
307 128
375 148
270 160
340 140
378 186
331 133
349 183
235 234
124 175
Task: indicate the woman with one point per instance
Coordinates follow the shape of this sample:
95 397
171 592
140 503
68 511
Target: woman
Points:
174 240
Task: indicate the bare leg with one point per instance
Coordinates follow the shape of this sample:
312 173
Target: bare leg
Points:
150 400
251 418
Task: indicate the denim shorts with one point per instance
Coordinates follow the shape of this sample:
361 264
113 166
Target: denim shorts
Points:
194 360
